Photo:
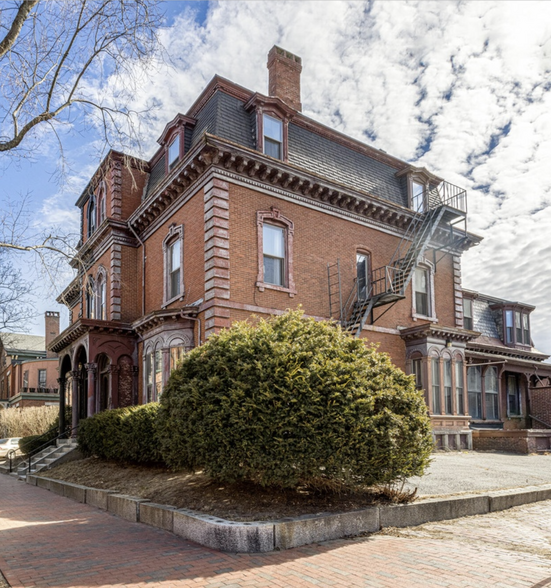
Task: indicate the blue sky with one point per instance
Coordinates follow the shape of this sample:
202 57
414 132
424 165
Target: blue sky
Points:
459 87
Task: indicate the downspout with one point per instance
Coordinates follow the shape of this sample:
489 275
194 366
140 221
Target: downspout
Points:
143 265
197 320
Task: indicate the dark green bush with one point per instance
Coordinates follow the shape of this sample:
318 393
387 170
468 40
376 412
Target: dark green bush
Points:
293 401
33 442
123 434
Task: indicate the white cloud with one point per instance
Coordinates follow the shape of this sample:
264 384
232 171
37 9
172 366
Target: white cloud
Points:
435 83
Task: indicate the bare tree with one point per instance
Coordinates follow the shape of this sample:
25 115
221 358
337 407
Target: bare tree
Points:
56 56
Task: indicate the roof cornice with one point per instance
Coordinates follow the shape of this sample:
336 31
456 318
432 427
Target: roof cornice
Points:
432 330
213 152
83 326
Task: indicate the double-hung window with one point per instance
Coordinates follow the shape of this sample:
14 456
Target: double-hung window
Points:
173 263
459 387
42 379
436 404
273 136
174 152
491 393
468 313
174 269
474 383
417 197
509 333
448 386
422 291
273 239
513 395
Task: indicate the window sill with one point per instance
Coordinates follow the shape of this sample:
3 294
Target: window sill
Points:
180 297
422 317
265 286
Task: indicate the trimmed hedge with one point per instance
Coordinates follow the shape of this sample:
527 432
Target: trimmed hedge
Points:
122 434
293 401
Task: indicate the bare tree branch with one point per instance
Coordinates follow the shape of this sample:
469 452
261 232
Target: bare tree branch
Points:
7 42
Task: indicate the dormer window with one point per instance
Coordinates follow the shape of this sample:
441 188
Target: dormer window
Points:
273 136
516 327
418 197
174 152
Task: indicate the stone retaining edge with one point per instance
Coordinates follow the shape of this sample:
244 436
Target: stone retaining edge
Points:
264 536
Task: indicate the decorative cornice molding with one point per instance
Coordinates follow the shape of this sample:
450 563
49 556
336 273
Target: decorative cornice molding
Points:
158 317
83 326
431 330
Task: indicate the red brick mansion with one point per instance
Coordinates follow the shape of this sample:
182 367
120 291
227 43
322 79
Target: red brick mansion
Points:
250 207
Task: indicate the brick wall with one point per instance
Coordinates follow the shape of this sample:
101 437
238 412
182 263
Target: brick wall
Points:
540 407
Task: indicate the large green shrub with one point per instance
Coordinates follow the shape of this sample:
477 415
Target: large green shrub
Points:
293 401
123 434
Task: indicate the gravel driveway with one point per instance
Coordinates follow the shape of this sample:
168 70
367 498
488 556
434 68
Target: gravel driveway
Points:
467 471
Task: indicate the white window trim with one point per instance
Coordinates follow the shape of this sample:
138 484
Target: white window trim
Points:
174 233
426 265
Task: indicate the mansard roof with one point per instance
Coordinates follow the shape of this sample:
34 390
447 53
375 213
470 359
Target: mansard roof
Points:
226 110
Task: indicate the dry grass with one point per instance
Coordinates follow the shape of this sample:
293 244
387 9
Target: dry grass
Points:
21 422
196 491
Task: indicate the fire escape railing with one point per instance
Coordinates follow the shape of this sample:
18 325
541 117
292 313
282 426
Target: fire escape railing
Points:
388 283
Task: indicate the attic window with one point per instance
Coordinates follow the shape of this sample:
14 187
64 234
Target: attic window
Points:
174 152
273 136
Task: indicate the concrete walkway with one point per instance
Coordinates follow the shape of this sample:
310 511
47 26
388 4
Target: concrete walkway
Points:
48 540
456 472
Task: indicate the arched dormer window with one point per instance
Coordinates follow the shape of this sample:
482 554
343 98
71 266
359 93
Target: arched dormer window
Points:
91 217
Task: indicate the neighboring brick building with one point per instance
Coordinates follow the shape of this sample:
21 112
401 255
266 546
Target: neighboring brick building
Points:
250 207
29 373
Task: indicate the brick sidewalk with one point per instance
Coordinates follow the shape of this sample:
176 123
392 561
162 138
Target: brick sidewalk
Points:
48 540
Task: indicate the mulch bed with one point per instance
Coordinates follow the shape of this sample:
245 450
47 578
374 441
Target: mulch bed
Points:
196 491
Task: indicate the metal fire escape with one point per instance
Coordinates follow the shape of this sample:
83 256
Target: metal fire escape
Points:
445 206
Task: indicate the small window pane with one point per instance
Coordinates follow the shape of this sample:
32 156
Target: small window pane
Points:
518 327
273 241
175 283
175 256
274 271
272 148
174 152
273 128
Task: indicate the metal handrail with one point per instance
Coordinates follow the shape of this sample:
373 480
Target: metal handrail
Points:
47 444
11 454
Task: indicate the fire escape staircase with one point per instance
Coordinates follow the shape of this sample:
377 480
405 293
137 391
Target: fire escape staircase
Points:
444 205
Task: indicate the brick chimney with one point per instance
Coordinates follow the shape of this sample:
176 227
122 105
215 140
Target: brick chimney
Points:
51 331
284 76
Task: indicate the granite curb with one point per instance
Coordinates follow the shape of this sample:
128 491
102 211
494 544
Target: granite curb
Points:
264 536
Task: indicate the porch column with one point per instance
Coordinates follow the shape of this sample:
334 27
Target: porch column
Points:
61 383
74 401
91 405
